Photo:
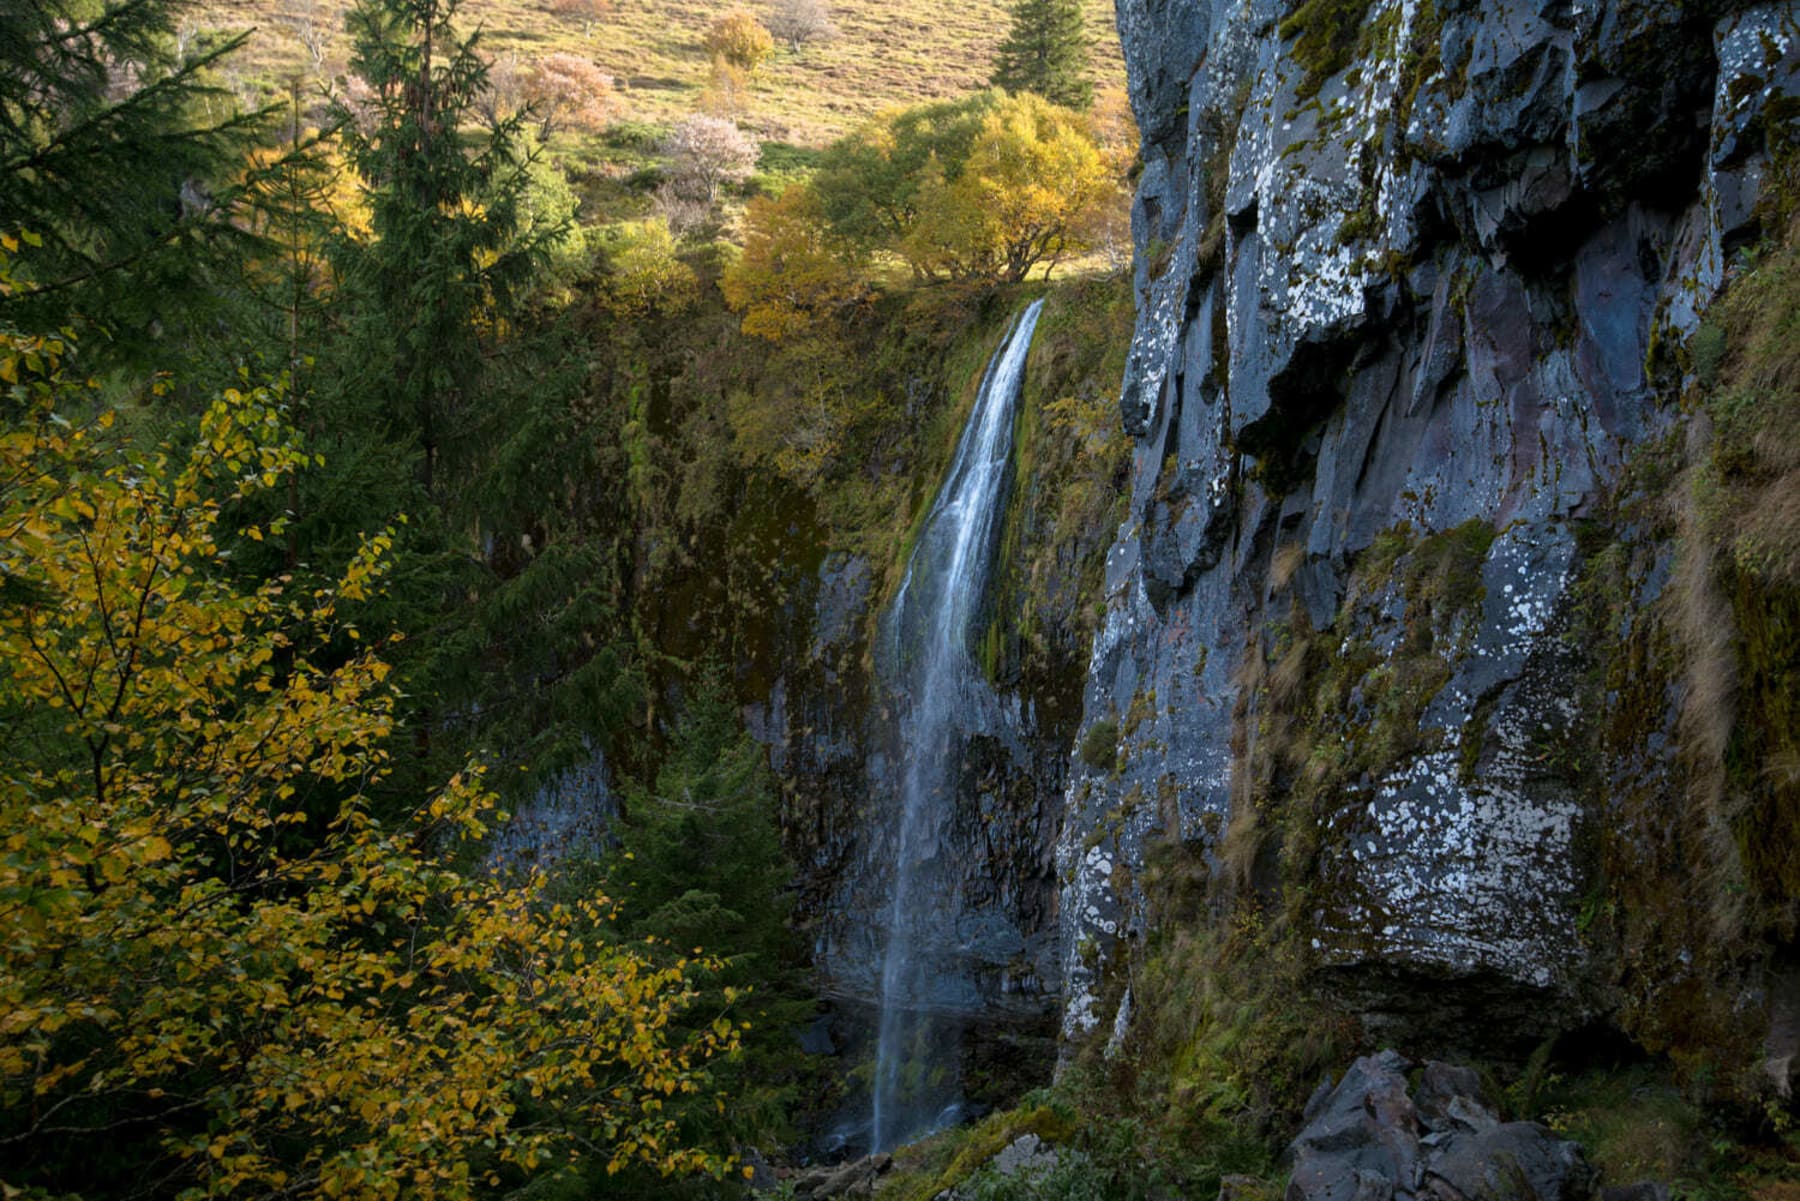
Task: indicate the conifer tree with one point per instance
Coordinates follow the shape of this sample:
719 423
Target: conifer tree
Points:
1046 52
442 394
120 154
701 865
447 255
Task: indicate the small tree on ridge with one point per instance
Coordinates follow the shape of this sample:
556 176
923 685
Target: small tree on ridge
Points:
1046 52
798 22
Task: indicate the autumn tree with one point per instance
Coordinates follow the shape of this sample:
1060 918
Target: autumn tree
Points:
220 972
869 182
1046 53
727 90
502 94
567 91
984 188
800 23
739 39
640 274
312 27
1029 194
793 271
708 152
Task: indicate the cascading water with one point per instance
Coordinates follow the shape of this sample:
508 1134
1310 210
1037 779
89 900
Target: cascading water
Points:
937 685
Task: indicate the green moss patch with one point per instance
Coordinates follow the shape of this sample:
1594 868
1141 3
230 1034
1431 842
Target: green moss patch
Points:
1326 34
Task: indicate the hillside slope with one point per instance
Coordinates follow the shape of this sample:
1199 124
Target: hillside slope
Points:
885 54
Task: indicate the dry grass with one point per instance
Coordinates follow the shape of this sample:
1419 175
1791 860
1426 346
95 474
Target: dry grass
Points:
1285 565
1702 618
886 54
1240 847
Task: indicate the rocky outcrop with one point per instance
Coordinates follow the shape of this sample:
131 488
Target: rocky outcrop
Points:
1406 273
1025 1159
1367 1139
854 1179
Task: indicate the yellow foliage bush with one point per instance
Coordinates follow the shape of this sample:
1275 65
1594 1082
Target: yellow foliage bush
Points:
739 39
642 274
792 272
1032 192
213 956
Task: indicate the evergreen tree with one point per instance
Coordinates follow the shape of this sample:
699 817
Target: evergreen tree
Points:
443 392
1046 52
700 865
448 255
120 154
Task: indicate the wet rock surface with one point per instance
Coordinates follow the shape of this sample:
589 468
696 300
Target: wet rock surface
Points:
1371 1138
1384 300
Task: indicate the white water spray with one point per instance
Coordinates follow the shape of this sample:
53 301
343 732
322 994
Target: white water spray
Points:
933 674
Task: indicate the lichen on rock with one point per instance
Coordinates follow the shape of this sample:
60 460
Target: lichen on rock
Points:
1418 269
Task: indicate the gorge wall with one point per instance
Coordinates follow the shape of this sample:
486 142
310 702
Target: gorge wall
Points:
1418 649
1417 284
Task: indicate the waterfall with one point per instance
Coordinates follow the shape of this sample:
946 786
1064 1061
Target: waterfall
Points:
932 677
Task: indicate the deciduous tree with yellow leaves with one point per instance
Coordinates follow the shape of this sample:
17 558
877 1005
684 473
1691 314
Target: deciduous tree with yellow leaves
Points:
221 974
985 188
793 271
1030 193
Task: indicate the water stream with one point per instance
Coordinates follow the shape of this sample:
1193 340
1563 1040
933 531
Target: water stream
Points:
934 681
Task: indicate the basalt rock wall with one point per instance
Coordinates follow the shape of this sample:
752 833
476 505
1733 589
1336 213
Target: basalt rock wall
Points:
1412 282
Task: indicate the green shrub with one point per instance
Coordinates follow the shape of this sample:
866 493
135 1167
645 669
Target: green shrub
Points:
1708 351
1100 745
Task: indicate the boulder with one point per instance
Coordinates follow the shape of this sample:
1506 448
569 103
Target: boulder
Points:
1372 1138
855 1179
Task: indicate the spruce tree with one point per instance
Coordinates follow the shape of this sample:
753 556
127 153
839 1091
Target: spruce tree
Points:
700 865
121 154
1046 52
447 256
443 390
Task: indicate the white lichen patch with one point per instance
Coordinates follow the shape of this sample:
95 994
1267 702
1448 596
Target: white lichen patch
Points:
1468 878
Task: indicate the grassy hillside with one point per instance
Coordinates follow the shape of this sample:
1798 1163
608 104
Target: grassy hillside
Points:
885 54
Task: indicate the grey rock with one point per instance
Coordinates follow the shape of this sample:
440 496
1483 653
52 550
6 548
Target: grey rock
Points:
1367 1140
1434 305
855 1179
1364 1140
571 814
1449 1097
1027 1155
1518 1161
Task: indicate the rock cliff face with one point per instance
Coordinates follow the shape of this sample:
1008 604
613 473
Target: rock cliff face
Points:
1407 274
